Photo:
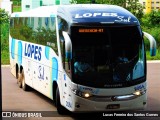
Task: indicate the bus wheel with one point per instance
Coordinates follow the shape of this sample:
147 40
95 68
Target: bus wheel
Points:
60 109
19 80
25 87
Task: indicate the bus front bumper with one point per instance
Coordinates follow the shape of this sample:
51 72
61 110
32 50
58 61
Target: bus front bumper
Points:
80 104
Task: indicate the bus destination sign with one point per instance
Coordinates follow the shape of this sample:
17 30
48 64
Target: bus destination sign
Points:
92 30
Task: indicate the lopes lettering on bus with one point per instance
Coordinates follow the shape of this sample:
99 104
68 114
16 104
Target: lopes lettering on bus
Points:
87 15
33 51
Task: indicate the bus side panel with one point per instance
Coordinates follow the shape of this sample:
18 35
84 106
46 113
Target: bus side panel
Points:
41 68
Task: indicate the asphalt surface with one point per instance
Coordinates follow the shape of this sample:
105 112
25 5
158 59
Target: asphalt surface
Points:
14 99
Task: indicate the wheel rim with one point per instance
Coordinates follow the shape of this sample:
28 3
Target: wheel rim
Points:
19 80
23 82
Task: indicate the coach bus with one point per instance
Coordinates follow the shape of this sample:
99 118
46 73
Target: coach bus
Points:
88 57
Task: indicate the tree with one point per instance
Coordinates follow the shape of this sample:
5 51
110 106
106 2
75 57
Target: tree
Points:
154 17
135 7
4 18
113 2
4 23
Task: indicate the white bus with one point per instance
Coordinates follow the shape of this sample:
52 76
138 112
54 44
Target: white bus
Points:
84 57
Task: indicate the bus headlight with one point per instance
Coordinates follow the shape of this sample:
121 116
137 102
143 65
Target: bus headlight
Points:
137 93
81 94
86 95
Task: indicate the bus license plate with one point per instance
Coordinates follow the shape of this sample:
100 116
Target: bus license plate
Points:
113 106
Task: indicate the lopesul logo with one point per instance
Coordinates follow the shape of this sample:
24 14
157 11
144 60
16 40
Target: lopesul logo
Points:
33 51
87 15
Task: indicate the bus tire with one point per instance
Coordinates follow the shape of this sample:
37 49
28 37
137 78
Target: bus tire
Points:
16 70
60 109
25 87
19 80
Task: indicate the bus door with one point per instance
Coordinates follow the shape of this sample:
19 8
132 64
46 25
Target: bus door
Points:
66 76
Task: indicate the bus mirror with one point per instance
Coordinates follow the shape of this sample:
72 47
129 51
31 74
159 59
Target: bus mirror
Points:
152 43
68 45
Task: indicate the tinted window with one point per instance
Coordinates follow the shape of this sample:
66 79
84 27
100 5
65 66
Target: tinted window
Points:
36 30
107 56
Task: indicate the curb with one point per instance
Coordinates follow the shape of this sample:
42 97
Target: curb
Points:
5 65
153 61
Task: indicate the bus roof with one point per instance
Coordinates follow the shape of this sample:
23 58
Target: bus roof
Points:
99 13
84 13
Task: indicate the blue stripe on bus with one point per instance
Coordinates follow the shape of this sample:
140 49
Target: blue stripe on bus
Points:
16 15
46 21
13 48
52 15
52 19
47 52
20 52
54 69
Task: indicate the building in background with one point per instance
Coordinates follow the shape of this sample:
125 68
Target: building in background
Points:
150 5
7 5
31 4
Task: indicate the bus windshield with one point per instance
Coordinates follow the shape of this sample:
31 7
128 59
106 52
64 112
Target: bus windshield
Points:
107 56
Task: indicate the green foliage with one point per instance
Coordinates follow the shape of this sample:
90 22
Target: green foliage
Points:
154 17
4 23
155 32
4 36
80 1
4 18
5 43
135 7
25 31
157 57
151 24
5 57
113 2
151 19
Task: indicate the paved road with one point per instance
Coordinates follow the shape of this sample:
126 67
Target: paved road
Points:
15 99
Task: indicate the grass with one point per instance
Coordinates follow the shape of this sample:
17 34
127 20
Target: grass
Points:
157 57
5 57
